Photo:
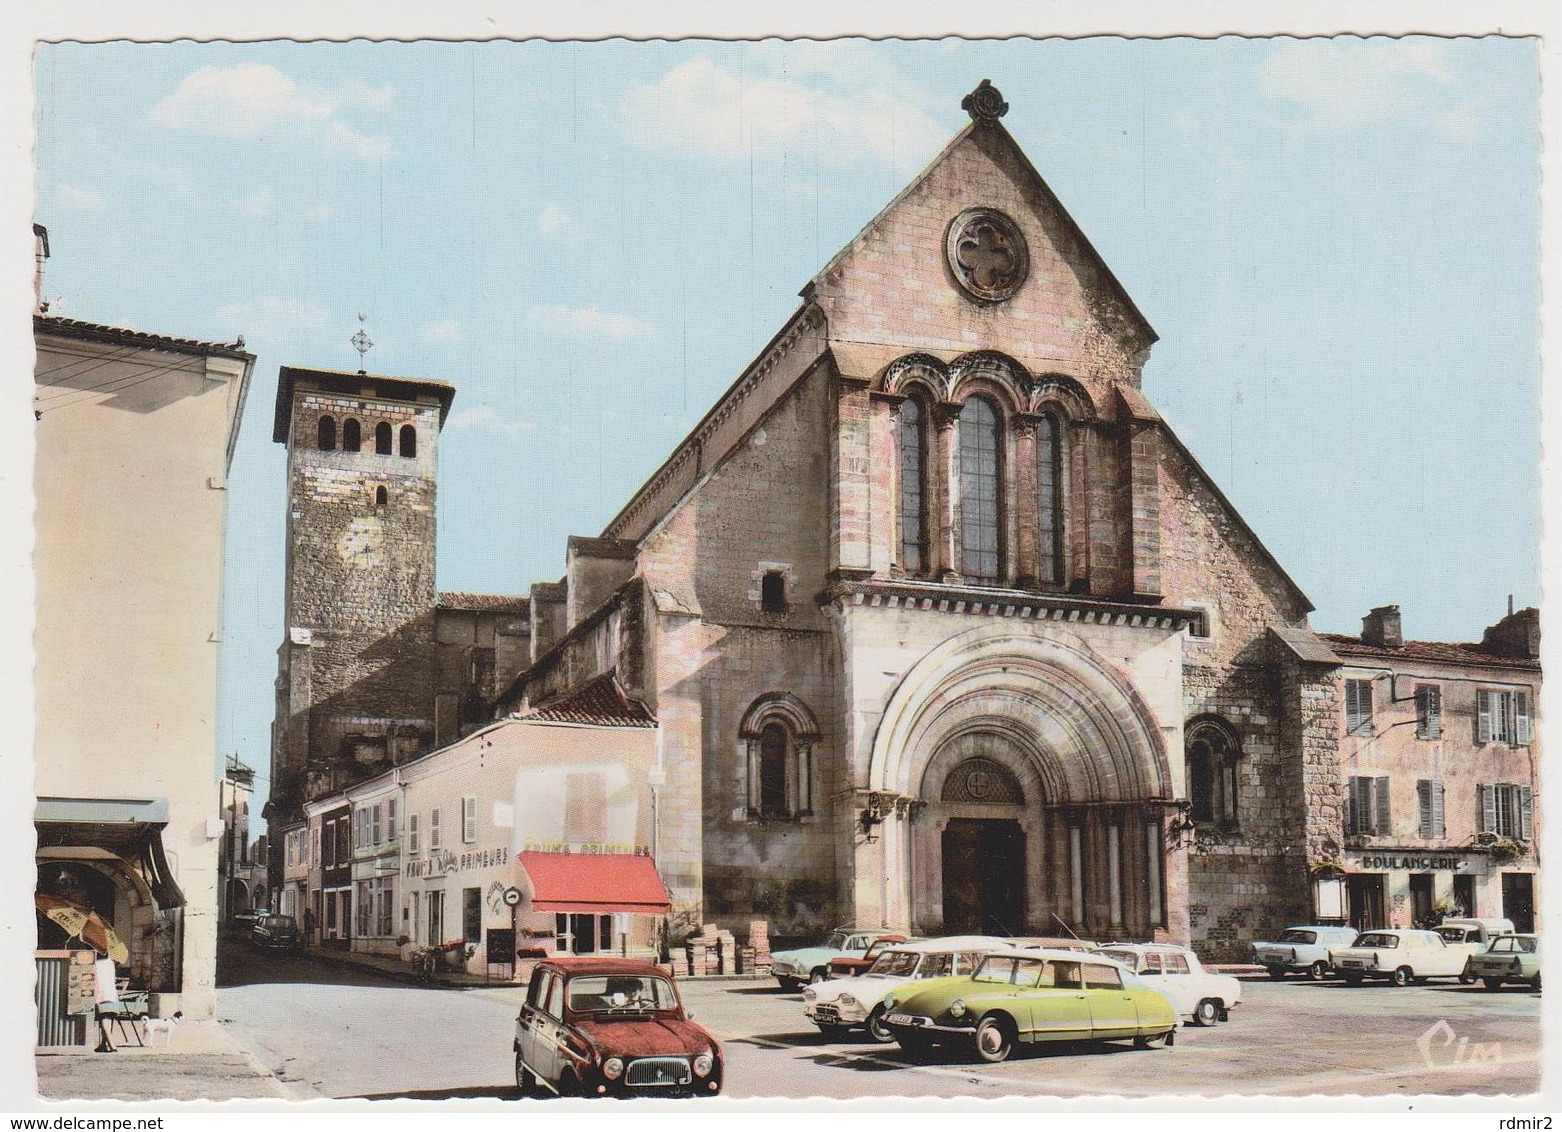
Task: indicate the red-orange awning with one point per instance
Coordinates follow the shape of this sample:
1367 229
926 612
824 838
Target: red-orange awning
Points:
595 882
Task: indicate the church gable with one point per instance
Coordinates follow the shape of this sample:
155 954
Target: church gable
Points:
978 253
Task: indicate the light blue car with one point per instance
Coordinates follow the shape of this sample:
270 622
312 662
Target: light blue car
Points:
812 964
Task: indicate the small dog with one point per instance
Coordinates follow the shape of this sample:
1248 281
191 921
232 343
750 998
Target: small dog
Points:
165 1026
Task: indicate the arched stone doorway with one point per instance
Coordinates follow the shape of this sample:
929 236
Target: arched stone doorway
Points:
1024 780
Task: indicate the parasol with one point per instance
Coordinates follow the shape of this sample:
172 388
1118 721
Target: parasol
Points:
83 924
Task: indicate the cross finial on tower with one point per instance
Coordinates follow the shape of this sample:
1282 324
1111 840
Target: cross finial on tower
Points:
985 103
362 342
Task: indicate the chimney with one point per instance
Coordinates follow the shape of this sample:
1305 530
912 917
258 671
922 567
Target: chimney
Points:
1517 635
40 253
1381 627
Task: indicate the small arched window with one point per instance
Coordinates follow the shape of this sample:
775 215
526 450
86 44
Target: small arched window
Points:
381 496
1212 757
409 440
980 502
773 744
352 435
778 734
1049 498
913 494
382 438
326 439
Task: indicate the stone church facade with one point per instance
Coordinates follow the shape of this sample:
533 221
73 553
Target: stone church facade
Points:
942 626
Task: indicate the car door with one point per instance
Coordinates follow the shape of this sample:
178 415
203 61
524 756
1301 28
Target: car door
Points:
1113 1012
1056 1008
528 1026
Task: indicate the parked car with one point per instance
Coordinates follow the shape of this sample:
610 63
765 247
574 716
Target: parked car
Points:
1203 996
608 1026
844 966
1509 959
812 964
1019 996
1400 955
246 919
1471 935
839 1005
1304 949
277 931
1053 943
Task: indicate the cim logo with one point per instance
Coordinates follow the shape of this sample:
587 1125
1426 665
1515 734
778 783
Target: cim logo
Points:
1465 1054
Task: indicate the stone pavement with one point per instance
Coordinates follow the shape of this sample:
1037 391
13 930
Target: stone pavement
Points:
200 1061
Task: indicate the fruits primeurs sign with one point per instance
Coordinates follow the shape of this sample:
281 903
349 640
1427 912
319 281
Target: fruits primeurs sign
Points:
1417 863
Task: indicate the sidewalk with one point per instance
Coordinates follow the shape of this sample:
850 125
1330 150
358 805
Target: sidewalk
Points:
200 1061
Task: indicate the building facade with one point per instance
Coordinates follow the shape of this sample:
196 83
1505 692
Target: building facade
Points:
135 434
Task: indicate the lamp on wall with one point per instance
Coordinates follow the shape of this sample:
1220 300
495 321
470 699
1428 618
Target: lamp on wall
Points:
1180 828
870 816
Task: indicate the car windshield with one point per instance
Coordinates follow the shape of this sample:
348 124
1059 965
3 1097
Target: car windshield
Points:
892 964
1297 935
1457 935
626 993
1378 939
1512 944
837 941
277 923
1126 958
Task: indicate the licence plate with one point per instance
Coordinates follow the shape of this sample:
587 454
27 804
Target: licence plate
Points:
1353 962
900 1019
1273 957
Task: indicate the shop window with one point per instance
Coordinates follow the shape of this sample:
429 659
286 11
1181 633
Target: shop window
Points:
325 438
1429 711
409 440
1429 803
382 438
1212 757
1502 717
1358 706
1505 810
1367 809
352 435
981 507
913 487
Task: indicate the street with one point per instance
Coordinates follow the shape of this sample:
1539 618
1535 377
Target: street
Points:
329 1031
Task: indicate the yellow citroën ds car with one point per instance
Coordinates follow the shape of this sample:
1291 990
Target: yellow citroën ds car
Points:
1030 996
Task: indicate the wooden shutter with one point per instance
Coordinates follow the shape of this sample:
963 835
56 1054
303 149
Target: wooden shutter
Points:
1424 806
433 829
1429 711
469 819
1439 825
1483 706
1521 728
412 834
1488 795
390 819
1360 805
1380 824
1524 807
375 823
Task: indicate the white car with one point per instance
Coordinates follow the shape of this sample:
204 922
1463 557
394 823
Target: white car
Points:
1303 949
1471 936
1400 955
838 1005
1176 972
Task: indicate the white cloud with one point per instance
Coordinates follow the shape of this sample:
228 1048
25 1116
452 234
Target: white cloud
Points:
255 100
483 418
553 220
586 321
444 330
258 203
72 197
1347 82
269 315
361 96
701 106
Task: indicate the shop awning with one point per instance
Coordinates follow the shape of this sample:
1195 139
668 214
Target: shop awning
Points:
128 828
595 882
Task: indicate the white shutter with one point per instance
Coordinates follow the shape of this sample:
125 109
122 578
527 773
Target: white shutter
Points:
1488 794
1524 808
1429 711
390 819
1483 714
1439 825
1522 733
1381 823
468 819
412 834
433 829
1424 806
375 822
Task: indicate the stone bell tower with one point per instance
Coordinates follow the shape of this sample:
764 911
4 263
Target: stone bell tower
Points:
355 676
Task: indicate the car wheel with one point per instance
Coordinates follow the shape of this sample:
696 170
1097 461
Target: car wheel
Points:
1319 970
876 1028
820 974
525 1083
789 986
1402 976
994 1039
1207 1012
1354 980
1491 984
1276 972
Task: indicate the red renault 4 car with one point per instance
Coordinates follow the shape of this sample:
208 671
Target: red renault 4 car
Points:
610 1027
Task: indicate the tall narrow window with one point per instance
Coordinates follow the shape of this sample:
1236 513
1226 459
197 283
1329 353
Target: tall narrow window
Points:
979 505
772 771
381 496
1049 501
913 517
352 435
772 592
1429 711
382 438
409 440
1212 756
1358 706
326 440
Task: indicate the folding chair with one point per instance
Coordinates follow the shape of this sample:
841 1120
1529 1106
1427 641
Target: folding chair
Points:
127 1008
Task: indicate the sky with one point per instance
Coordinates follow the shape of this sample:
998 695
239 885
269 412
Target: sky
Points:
1336 239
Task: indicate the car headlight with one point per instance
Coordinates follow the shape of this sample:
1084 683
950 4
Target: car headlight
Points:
889 1001
612 1067
809 994
957 1008
703 1064
847 1000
